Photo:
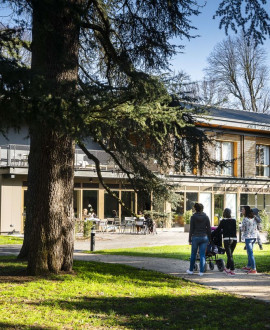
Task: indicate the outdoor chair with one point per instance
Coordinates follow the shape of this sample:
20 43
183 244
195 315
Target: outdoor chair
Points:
110 224
103 225
129 223
118 225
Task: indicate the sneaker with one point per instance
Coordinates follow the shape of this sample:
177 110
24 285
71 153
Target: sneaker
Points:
227 271
189 272
246 268
232 273
200 274
252 271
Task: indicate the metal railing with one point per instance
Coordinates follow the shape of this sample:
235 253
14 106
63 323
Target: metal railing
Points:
16 155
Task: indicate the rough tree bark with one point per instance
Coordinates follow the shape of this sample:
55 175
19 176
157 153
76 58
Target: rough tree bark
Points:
48 243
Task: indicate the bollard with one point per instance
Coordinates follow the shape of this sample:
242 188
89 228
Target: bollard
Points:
92 239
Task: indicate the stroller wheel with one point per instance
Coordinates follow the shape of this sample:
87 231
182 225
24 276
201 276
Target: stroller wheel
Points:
220 264
195 267
211 265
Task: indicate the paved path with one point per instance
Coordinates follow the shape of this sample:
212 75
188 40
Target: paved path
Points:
254 286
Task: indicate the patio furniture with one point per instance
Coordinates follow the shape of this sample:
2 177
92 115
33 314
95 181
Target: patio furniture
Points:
129 223
103 225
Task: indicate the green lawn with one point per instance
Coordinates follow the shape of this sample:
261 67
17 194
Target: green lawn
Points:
262 257
101 296
10 240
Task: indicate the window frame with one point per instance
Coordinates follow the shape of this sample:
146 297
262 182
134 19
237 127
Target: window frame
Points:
257 161
220 170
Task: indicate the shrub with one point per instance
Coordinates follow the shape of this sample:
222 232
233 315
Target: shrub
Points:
87 228
265 220
187 215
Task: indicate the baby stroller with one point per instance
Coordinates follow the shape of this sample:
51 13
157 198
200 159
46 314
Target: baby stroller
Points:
214 248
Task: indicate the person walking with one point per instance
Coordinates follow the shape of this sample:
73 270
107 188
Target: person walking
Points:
259 221
199 237
227 227
249 235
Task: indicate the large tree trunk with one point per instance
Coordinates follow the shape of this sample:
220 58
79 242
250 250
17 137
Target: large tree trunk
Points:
48 243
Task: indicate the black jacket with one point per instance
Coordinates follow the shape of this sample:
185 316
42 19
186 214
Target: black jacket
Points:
227 227
199 226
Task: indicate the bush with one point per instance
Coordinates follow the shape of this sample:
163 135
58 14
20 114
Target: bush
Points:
87 228
187 215
268 235
265 220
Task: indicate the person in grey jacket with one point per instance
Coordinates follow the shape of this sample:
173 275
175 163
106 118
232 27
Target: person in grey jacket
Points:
199 237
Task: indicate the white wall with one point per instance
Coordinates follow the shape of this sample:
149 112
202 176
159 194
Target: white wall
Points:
11 205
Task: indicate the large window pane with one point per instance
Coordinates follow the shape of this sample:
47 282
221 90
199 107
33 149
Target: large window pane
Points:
231 204
90 200
191 199
110 204
178 209
75 203
262 160
206 200
128 198
224 152
247 199
143 202
218 208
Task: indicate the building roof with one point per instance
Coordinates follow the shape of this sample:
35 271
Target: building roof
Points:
239 115
231 118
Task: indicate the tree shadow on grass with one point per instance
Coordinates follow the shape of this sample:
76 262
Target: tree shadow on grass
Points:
162 311
12 326
10 266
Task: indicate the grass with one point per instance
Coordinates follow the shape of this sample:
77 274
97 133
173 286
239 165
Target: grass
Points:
10 240
101 296
182 252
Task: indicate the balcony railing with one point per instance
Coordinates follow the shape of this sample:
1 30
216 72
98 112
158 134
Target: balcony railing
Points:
16 155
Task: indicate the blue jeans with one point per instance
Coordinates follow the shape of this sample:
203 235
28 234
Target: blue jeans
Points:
201 243
251 260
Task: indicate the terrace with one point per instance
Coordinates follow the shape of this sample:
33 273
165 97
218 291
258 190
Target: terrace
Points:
16 155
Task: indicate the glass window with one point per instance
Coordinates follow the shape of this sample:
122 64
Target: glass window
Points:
231 204
75 203
90 200
262 160
128 198
143 201
185 163
206 200
218 208
247 199
178 209
191 199
110 204
224 152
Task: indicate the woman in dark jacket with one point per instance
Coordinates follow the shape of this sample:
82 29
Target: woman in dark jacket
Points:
227 227
199 237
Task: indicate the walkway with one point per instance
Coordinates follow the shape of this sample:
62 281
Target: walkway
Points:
253 286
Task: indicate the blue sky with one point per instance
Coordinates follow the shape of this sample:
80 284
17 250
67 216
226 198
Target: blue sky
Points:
196 51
